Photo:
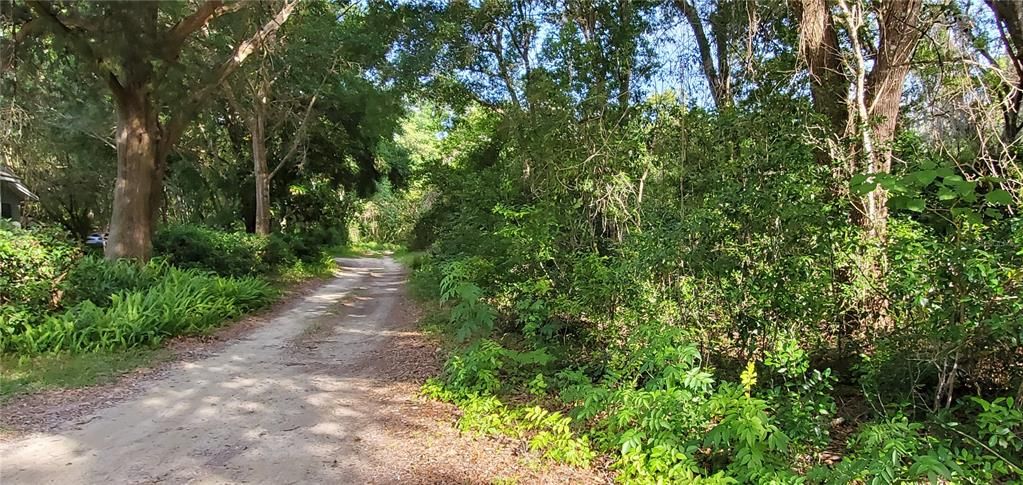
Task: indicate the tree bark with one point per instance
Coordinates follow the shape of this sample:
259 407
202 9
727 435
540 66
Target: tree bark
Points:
1009 17
900 33
138 132
818 45
258 131
861 117
143 142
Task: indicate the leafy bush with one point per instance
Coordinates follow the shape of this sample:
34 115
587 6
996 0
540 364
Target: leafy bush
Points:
243 254
700 319
33 263
96 279
309 244
182 302
225 253
389 216
54 300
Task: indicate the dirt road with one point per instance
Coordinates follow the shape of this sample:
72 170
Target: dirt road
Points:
325 392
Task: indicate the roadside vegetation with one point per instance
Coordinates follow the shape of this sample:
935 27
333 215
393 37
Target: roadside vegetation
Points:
261 137
72 318
688 241
763 285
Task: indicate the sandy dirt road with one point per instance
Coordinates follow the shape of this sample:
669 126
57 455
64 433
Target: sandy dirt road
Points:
325 392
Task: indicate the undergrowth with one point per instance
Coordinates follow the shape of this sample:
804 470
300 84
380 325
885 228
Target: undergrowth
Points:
28 374
663 415
181 302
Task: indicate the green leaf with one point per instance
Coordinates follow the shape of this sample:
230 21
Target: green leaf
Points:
966 213
965 188
916 204
998 197
925 177
892 184
993 213
864 188
945 193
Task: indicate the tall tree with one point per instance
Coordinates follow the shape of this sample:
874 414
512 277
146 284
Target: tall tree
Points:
714 60
134 49
867 102
869 115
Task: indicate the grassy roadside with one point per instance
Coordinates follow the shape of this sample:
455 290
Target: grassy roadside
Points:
29 374
366 249
401 254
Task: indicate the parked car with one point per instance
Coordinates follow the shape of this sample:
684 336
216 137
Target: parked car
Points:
96 239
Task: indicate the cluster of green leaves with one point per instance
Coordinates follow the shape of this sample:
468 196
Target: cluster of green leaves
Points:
474 378
744 251
226 253
897 449
954 263
548 433
243 254
180 302
666 418
96 280
55 300
32 264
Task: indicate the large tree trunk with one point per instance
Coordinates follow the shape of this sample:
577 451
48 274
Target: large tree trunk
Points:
900 33
142 142
866 120
258 131
138 133
818 45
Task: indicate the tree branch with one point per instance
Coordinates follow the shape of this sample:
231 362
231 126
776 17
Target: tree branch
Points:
302 127
177 35
232 101
78 44
176 126
8 47
703 45
296 140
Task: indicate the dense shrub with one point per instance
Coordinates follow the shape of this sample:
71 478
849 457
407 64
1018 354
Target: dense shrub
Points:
225 253
32 265
243 254
309 244
96 279
391 216
182 302
55 300
706 319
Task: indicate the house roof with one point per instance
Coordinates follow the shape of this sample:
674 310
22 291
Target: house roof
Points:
14 181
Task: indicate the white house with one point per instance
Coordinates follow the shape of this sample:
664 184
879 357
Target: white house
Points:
12 194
